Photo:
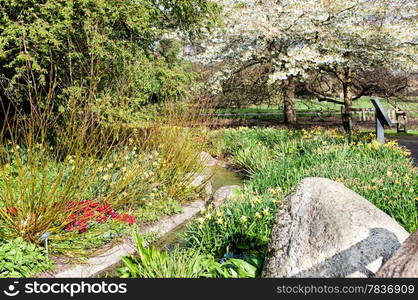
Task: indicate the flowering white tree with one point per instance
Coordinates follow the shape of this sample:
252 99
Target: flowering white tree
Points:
302 40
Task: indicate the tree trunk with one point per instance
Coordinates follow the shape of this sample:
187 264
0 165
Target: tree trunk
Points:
348 103
404 262
289 102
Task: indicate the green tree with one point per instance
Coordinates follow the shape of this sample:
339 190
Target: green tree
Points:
303 39
55 50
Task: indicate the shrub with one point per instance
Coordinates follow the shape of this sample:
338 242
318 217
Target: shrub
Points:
185 263
106 53
41 181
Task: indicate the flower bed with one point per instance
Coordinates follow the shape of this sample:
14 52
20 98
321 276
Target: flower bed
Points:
275 161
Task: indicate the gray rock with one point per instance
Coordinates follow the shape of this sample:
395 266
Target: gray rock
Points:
404 262
199 180
207 160
224 193
324 229
208 188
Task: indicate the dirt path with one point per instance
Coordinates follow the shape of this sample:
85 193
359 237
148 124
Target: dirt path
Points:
410 142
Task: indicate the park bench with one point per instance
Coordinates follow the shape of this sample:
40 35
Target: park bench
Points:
367 115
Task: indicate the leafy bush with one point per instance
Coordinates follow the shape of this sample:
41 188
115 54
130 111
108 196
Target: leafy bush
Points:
21 259
275 161
108 53
152 263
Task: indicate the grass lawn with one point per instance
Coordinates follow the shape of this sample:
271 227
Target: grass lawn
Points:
307 109
314 106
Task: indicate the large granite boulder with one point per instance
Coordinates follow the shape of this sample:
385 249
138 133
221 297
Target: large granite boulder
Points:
324 229
404 262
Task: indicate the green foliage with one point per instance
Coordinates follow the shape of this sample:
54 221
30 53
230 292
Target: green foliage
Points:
185 263
144 173
390 184
81 245
109 53
276 161
152 263
248 267
240 4
154 210
242 225
21 259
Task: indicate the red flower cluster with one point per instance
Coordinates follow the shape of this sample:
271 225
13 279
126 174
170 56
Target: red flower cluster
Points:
126 219
89 210
12 210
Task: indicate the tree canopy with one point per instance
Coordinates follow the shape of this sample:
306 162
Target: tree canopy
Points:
305 40
93 49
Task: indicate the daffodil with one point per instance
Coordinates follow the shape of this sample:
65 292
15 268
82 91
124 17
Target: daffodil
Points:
244 219
106 177
256 200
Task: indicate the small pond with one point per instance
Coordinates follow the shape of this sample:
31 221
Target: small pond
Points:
223 176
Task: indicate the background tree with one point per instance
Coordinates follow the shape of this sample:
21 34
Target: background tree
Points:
303 40
101 52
